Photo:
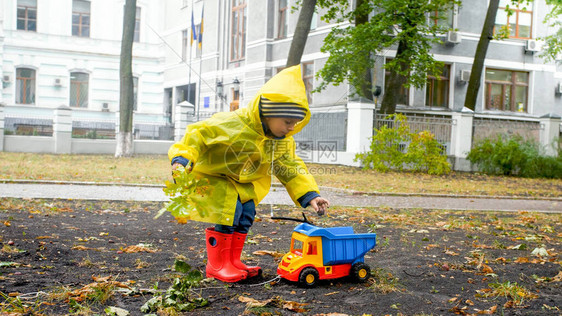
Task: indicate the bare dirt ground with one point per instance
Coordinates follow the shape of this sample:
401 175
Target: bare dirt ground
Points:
63 257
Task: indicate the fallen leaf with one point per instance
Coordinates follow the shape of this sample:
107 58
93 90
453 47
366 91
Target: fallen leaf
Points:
459 310
294 306
250 302
268 252
112 310
140 248
540 252
519 247
44 237
486 268
489 311
82 248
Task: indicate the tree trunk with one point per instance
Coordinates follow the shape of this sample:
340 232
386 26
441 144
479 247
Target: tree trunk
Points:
478 65
394 85
125 135
366 86
301 33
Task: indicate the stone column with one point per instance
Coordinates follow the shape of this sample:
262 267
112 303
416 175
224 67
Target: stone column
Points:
183 110
461 138
549 134
359 125
1 126
62 130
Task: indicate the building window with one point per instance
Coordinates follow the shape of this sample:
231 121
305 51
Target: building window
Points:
283 16
135 92
184 44
308 78
520 22
441 18
136 37
79 89
25 86
238 30
81 18
404 95
27 15
437 88
506 90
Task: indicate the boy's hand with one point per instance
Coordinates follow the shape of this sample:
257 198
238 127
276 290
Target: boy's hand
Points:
177 164
320 205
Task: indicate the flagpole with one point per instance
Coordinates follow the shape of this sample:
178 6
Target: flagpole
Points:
190 50
199 86
200 46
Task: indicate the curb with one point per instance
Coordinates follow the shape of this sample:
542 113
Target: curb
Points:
279 185
24 181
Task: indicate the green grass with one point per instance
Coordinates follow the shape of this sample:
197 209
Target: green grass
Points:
156 169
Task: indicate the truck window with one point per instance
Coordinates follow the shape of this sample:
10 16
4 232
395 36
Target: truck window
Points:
296 247
312 248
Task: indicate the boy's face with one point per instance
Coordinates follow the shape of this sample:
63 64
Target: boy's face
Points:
280 126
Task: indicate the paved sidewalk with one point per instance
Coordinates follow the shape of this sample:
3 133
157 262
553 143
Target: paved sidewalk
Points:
279 196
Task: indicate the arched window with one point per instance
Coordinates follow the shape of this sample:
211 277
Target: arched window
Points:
25 86
79 89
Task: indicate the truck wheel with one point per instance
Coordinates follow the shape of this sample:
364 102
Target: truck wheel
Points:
360 272
308 277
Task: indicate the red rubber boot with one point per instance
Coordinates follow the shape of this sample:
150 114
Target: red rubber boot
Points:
238 240
219 265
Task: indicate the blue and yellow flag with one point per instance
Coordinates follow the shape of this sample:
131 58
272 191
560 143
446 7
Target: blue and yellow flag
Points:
193 29
200 39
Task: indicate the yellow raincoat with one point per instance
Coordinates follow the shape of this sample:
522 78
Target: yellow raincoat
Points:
231 150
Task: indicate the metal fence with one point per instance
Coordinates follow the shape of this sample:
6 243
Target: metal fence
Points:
325 131
439 125
28 126
100 129
153 131
90 129
484 127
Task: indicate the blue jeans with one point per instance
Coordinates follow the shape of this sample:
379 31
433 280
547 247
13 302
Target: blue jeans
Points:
243 219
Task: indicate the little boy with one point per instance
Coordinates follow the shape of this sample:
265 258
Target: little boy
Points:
237 152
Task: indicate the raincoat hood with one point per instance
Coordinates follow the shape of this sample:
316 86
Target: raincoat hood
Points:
285 87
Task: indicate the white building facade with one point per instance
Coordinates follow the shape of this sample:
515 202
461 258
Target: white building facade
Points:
66 53
193 58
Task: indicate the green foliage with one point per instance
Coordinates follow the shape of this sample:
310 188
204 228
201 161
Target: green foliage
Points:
553 42
397 148
513 155
178 298
425 154
386 153
352 49
512 291
182 192
15 306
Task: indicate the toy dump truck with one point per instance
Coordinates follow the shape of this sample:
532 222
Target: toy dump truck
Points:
326 253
